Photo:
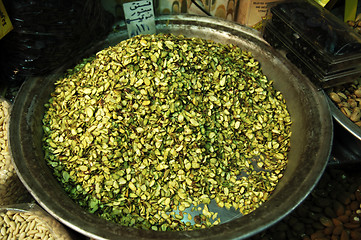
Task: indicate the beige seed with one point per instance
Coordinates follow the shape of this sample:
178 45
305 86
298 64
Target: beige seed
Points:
3 231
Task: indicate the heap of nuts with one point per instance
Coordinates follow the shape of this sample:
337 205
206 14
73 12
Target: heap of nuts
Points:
348 99
23 225
160 124
11 188
331 211
30 221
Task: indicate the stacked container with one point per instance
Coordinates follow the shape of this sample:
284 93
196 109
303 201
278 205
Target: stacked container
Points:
325 48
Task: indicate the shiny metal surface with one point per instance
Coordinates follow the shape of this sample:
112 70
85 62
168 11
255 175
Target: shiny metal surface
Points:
311 140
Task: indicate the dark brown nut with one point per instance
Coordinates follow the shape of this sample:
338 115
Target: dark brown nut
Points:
298 227
329 212
352 196
343 218
316 209
309 230
318 226
338 230
322 202
306 220
281 227
351 225
328 231
314 216
302 211
339 208
344 198
325 221
348 212
355 235
317 235
354 205
336 221
358 193
344 235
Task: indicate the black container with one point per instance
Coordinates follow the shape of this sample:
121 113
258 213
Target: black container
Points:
324 47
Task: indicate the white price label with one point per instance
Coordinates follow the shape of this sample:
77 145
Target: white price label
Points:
139 17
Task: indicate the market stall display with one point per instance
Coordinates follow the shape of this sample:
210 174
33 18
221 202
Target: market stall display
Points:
311 139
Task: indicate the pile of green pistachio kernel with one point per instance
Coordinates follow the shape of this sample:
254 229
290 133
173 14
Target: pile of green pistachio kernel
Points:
159 124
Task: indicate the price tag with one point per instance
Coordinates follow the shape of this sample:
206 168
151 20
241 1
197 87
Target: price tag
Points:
139 17
5 24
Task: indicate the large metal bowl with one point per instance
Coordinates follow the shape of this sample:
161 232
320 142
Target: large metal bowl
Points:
311 140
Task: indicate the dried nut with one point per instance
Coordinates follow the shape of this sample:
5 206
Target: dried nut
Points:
350 225
346 111
11 188
356 115
354 205
326 221
358 93
342 96
345 204
328 231
335 97
352 103
348 99
337 230
318 235
336 221
355 235
23 225
155 124
344 235
344 218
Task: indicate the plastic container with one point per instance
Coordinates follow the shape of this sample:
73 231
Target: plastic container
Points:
309 67
29 221
322 45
